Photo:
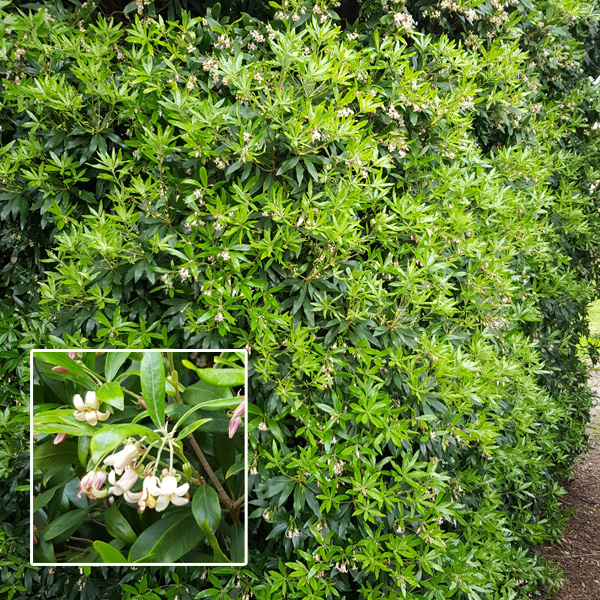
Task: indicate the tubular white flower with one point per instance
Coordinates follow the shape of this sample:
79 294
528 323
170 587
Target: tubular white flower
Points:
146 499
91 483
167 491
88 410
118 488
123 458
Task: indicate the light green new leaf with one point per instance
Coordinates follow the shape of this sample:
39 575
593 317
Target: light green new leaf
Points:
214 543
108 553
111 393
218 377
111 436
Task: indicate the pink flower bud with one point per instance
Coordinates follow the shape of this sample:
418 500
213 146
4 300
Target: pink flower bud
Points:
73 355
35 540
62 370
143 402
59 437
236 418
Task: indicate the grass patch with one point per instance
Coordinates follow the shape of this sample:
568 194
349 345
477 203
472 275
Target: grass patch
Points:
594 316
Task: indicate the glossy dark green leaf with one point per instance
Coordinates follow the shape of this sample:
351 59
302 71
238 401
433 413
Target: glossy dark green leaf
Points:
152 377
206 505
43 552
40 500
118 526
114 361
83 449
169 539
108 553
111 436
61 420
61 359
65 524
238 543
48 455
112 394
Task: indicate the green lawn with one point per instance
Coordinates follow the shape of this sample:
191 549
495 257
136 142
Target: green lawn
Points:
594 314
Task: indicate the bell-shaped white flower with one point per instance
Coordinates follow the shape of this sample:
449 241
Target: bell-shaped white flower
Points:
167 491
91 483
124 484
120 460
88 410
145 498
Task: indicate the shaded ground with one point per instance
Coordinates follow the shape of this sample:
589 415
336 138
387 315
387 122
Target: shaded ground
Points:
579 555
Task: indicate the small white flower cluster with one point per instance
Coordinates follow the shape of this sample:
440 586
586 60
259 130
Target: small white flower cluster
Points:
156 493
292 533
402 20
210 64
346 111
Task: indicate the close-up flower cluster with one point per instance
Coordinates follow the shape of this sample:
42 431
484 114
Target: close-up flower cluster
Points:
146 438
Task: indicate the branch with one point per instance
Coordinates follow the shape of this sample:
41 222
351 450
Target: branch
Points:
225 499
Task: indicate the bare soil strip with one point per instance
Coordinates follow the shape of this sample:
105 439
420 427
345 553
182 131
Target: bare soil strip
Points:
578 557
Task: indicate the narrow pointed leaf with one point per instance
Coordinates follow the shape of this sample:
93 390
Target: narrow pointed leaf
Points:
152 376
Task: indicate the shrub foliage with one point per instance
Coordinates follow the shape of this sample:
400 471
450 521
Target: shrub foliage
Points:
396 215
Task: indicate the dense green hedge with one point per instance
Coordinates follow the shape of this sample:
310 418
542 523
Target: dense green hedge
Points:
396 215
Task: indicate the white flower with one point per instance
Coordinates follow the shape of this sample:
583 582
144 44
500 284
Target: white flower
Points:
145 498
121 459
168 491
88 411
91 483
127 481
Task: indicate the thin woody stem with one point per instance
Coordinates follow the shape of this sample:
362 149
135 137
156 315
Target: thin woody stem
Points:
220 490
239 502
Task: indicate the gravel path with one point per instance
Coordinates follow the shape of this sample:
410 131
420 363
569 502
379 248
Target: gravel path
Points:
578 557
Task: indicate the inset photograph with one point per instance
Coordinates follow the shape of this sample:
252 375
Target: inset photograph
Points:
139 457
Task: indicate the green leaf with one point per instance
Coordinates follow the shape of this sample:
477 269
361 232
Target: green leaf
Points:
219 377
83 449
111 393
202 391
43 552
111 436
66 524
114 361
42 499
61 359
214 543
48 455
61 421
206 505
169 539
236 467
118 526
238 543
108 553
192 427
152 376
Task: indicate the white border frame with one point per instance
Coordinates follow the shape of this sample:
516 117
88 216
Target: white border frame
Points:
101 564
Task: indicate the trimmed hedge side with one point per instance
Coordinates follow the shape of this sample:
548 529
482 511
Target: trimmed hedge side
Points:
397 216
